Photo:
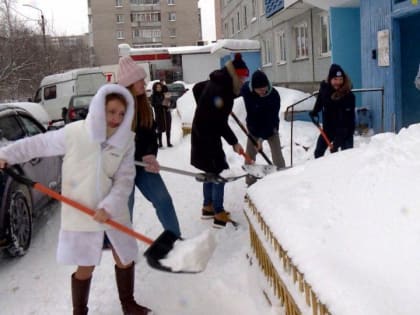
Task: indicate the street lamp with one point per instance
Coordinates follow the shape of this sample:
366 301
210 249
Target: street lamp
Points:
44 39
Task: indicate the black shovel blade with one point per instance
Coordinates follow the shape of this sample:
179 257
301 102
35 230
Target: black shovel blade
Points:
159 249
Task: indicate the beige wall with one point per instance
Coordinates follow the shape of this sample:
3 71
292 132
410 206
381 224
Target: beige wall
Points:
104 26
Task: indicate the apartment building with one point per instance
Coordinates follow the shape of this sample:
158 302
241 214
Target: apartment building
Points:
294 37
140 23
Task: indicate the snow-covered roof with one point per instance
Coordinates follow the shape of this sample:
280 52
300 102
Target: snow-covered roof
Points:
221 44
69 75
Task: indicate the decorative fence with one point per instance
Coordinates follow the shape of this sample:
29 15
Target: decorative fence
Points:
267 267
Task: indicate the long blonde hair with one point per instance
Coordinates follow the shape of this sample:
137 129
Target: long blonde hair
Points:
143 114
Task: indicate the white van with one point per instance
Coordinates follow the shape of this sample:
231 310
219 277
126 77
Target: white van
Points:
56 90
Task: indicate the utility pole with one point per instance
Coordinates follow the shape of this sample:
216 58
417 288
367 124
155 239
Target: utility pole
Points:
44 38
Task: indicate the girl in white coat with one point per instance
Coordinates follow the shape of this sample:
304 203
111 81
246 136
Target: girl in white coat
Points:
98 171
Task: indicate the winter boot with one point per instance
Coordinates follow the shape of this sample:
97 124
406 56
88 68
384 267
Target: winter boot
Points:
168 139
125 284
80 295
159 139
207 212
221 219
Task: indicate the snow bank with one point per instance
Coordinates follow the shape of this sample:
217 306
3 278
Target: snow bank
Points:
350 223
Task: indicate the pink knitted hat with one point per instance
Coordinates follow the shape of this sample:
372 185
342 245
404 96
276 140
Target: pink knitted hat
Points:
129 72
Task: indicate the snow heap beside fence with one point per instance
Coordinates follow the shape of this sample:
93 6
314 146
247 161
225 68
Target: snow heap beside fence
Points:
350 222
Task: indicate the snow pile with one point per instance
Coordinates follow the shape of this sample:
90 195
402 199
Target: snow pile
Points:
191 255
351 224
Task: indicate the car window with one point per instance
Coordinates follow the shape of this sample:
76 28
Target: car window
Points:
50 92
82 101
31 127
37 98
10 128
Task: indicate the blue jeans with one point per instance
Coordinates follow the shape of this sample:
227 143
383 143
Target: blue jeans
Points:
214 194
154 190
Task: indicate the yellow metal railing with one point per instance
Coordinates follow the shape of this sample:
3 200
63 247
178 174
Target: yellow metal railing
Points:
279 288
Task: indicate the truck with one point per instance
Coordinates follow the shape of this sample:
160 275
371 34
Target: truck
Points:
56 90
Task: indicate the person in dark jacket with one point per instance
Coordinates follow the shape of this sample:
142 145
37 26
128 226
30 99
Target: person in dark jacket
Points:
214 100
148 179
337 103
262 104
161 105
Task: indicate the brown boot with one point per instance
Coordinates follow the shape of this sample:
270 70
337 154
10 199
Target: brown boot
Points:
207 212
125 284
80 295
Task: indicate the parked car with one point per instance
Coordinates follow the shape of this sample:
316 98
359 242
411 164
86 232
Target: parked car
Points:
35 109
19 204
77 109
57 89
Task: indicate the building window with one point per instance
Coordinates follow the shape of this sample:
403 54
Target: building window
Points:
118 3
238 22
172 16
301 39
281 48
120 34
120 18
226 30
171 2
232 26
325 35
245 17
266 52
254 10
172 32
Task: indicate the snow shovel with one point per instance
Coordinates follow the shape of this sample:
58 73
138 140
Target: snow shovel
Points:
251 138
200 177
323 134
158 249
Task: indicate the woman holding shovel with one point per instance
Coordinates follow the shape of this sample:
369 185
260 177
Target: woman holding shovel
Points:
337 103
148 179
98 171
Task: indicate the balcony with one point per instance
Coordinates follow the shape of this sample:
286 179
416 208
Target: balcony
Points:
147 40
145 24
144 7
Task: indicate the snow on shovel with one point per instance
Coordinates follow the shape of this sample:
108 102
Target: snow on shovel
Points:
198 250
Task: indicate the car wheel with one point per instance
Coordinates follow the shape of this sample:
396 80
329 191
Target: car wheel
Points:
20 219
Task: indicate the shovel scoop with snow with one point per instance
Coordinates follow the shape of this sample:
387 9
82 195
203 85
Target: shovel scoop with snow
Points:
190 256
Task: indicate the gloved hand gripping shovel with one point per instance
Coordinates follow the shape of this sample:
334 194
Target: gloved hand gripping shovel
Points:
323 134
251 138
158 249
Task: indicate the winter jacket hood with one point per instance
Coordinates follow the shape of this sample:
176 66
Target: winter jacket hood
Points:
96 118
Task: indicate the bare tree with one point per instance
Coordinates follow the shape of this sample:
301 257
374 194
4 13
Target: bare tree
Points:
22 55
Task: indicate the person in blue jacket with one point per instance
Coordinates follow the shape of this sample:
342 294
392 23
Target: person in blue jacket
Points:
262 103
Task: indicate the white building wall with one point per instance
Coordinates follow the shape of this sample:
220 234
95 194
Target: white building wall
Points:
197 67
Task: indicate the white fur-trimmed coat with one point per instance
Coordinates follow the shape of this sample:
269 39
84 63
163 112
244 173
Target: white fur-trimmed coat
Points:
107 184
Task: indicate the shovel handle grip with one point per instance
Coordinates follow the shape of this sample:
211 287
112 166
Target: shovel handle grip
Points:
75 204
246 156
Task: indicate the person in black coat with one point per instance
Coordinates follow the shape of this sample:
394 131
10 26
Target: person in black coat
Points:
337 103
161 105
262 103
214 100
